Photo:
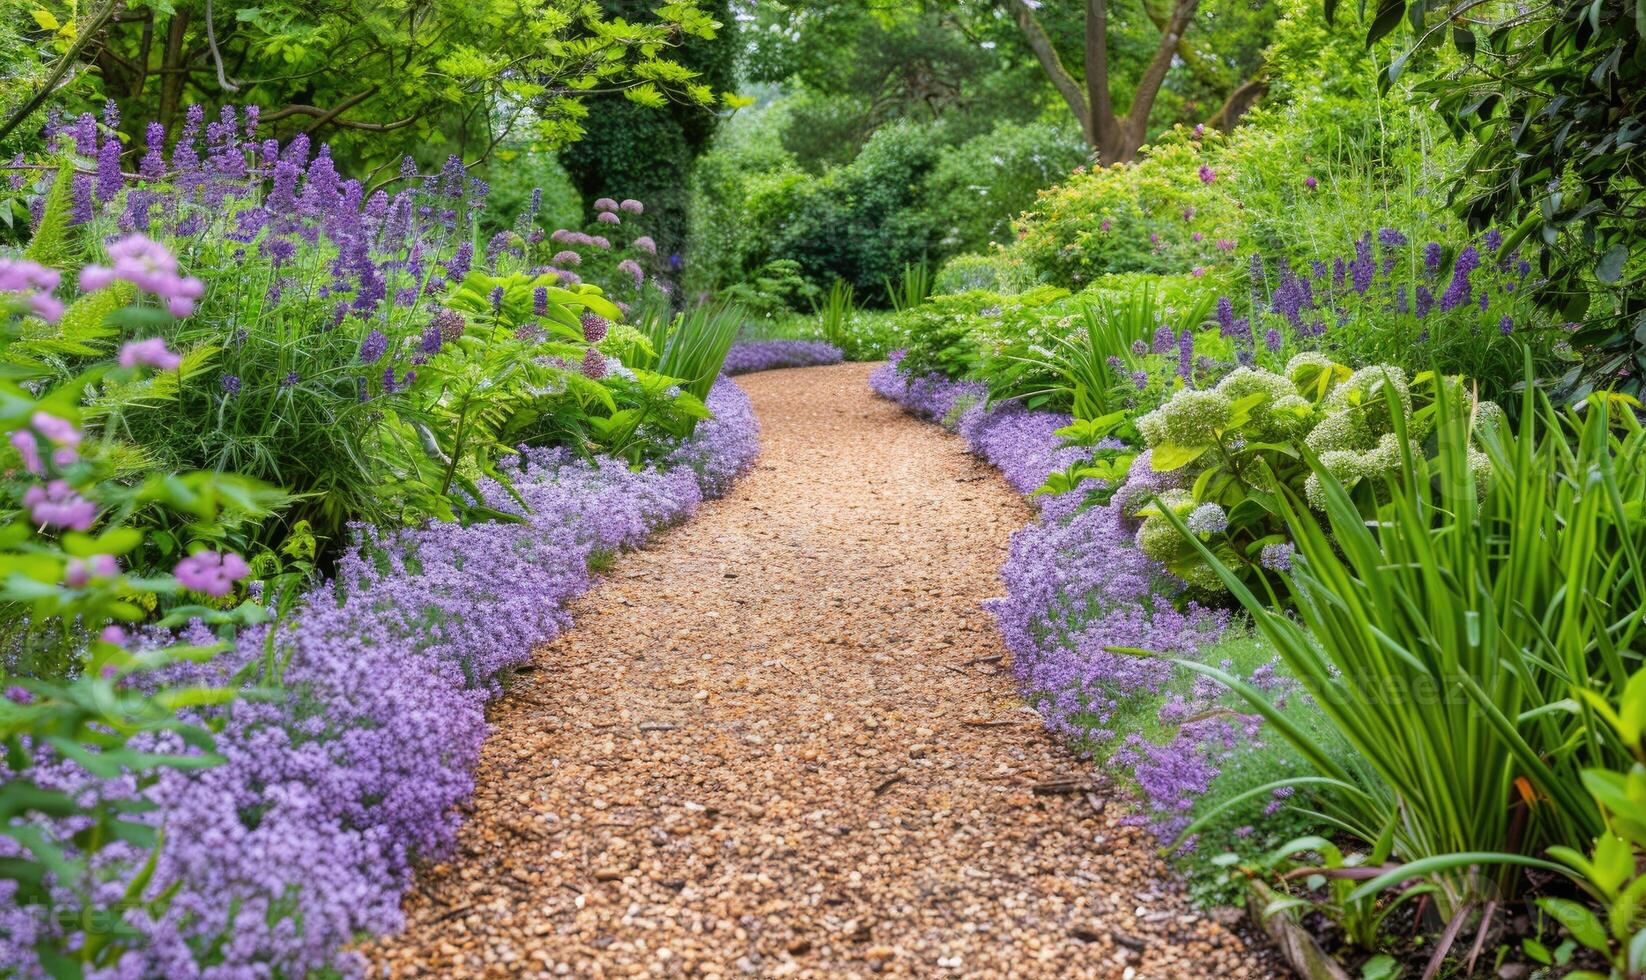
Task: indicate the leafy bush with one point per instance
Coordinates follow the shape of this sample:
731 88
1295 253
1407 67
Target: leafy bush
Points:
1446 639
1163 213
995 272
361 351
863 222
1228 453
978 187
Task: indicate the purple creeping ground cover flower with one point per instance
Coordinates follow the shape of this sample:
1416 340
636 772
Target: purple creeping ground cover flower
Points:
306 836
764 355
1076 586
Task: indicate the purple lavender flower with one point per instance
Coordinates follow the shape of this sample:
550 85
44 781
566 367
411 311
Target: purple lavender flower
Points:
460 263
1460 290
1433 253
594 364
230 384
373 347
1425 301
80 201
1364 266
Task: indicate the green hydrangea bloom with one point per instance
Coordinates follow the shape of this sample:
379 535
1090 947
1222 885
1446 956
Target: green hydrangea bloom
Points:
1191 418
1156 537
1365 390
1264 423
1339 432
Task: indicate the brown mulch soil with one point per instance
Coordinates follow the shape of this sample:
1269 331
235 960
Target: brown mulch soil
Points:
780 742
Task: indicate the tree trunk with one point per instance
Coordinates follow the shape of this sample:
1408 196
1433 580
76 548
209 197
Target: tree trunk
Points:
1113 138
171 68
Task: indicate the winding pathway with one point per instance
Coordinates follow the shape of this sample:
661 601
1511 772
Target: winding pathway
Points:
779 742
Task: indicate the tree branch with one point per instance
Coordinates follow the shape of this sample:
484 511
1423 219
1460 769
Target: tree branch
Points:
86 35
1097 65
1244 96
216 56
1046 52
1148 84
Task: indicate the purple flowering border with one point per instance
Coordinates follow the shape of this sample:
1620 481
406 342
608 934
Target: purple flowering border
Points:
1076 585
306 838
748 356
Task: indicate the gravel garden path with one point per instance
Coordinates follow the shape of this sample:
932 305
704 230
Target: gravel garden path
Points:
780 742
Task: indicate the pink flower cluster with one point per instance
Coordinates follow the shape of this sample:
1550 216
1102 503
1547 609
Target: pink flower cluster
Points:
149 352
36 282
211 572
57 505
58 433
146 264
81 571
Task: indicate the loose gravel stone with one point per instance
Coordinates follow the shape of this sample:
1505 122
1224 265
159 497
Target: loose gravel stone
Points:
779 742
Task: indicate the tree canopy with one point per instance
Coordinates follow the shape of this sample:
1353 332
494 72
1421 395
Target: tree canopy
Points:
375 78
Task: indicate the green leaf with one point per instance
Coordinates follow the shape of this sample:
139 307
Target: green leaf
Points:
1610 267
1583 924
1167 456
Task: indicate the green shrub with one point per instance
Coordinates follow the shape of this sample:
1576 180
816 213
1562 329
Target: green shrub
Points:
1155 215
1234 449
955 335
1463 643
995 272
864 222
978 187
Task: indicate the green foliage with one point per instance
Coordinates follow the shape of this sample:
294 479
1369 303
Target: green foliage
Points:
911 287
68 588
691 346
1238 448
1551 102
771 290
835 313
978 187
862 222
428 80
1093 366
1611 871
954 335
1459 641
995 272
1139 217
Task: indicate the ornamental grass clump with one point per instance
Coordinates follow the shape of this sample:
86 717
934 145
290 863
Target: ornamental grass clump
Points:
1461 641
